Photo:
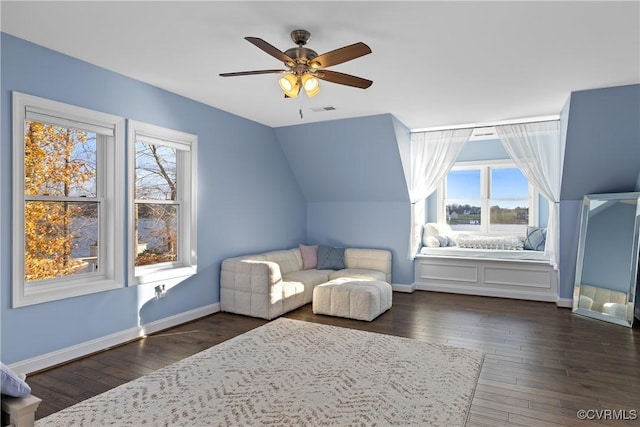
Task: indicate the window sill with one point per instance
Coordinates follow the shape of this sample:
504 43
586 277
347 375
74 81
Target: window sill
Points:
31 295
150 275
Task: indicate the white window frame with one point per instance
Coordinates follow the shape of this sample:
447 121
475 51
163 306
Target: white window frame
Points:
485 167
110 180
187 172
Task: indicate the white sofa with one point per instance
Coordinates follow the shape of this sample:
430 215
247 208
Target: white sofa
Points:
270 284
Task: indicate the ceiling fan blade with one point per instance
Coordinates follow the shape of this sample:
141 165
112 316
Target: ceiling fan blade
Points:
250 73
271 50
343 79
340 55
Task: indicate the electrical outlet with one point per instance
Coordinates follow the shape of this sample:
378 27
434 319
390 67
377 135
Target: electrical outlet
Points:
160 291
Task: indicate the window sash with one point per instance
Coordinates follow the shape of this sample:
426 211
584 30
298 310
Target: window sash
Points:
186 171
68 120
485 202
180 146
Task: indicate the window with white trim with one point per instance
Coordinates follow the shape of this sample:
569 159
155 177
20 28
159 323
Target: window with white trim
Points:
67 200
162 208
489 197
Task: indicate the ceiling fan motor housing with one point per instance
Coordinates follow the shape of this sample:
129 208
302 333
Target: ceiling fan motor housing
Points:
300 37
301 55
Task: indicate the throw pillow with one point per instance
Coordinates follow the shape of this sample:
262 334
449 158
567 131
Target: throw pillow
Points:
309 256
330 258
444 241
431 242
535 239
12 384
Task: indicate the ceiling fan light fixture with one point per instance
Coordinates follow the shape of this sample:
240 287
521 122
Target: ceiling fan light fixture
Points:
311 85
290 85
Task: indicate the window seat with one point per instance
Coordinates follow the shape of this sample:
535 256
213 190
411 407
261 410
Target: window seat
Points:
500 254
519 274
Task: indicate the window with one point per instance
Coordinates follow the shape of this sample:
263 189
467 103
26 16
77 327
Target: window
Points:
489 198
67 199
162 212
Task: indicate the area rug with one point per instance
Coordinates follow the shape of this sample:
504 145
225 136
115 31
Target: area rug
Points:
294 373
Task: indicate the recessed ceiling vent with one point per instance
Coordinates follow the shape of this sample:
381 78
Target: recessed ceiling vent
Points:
483 133
319 109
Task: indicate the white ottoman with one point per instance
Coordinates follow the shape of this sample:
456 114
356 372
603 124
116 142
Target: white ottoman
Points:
352 298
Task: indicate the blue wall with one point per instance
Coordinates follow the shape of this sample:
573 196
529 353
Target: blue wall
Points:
248 198
351 174
340 182
602 155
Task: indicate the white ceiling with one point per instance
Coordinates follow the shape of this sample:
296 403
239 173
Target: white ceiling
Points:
433 63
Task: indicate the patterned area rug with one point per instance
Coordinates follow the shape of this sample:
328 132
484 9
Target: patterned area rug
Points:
295 373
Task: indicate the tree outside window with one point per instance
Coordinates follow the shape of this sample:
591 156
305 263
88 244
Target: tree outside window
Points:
68 198
60 167
156 205
162 211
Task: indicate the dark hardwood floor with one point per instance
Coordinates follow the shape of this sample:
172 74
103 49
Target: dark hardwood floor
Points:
542 365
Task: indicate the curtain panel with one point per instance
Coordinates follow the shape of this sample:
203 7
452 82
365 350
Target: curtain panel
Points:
536 148
432 155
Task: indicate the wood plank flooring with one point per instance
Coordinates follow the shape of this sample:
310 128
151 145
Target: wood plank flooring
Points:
542 365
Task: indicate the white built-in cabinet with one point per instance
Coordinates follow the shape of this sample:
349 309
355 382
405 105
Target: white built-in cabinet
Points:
506 278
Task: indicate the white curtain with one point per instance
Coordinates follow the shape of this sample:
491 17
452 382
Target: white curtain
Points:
432 156
536 148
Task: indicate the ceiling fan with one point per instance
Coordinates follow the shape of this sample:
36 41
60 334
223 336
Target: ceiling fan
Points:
305 66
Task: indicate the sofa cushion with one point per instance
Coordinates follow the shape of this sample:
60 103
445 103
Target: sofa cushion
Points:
309 279
359 274
369 259
330 258
288 260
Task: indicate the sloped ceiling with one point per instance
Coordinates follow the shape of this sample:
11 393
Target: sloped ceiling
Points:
348 160
434 63
602 154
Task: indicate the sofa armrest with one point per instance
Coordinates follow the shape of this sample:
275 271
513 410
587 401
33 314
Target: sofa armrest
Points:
251 287
249 275
21 410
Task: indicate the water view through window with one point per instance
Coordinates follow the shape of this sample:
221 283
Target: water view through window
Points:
156 204
501 206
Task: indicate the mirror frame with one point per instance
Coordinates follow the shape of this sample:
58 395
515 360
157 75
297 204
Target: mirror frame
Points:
634 278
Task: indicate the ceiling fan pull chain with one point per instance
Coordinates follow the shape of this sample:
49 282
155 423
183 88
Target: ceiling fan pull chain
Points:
300 110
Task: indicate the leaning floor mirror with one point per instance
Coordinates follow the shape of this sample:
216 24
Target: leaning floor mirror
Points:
607 266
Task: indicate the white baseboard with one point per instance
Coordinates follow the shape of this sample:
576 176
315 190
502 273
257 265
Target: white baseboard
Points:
397 287
63 355
488 292
565 302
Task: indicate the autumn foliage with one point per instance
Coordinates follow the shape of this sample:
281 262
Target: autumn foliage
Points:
53 170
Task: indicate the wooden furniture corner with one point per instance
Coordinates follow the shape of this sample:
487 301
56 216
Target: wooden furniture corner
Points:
21 411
